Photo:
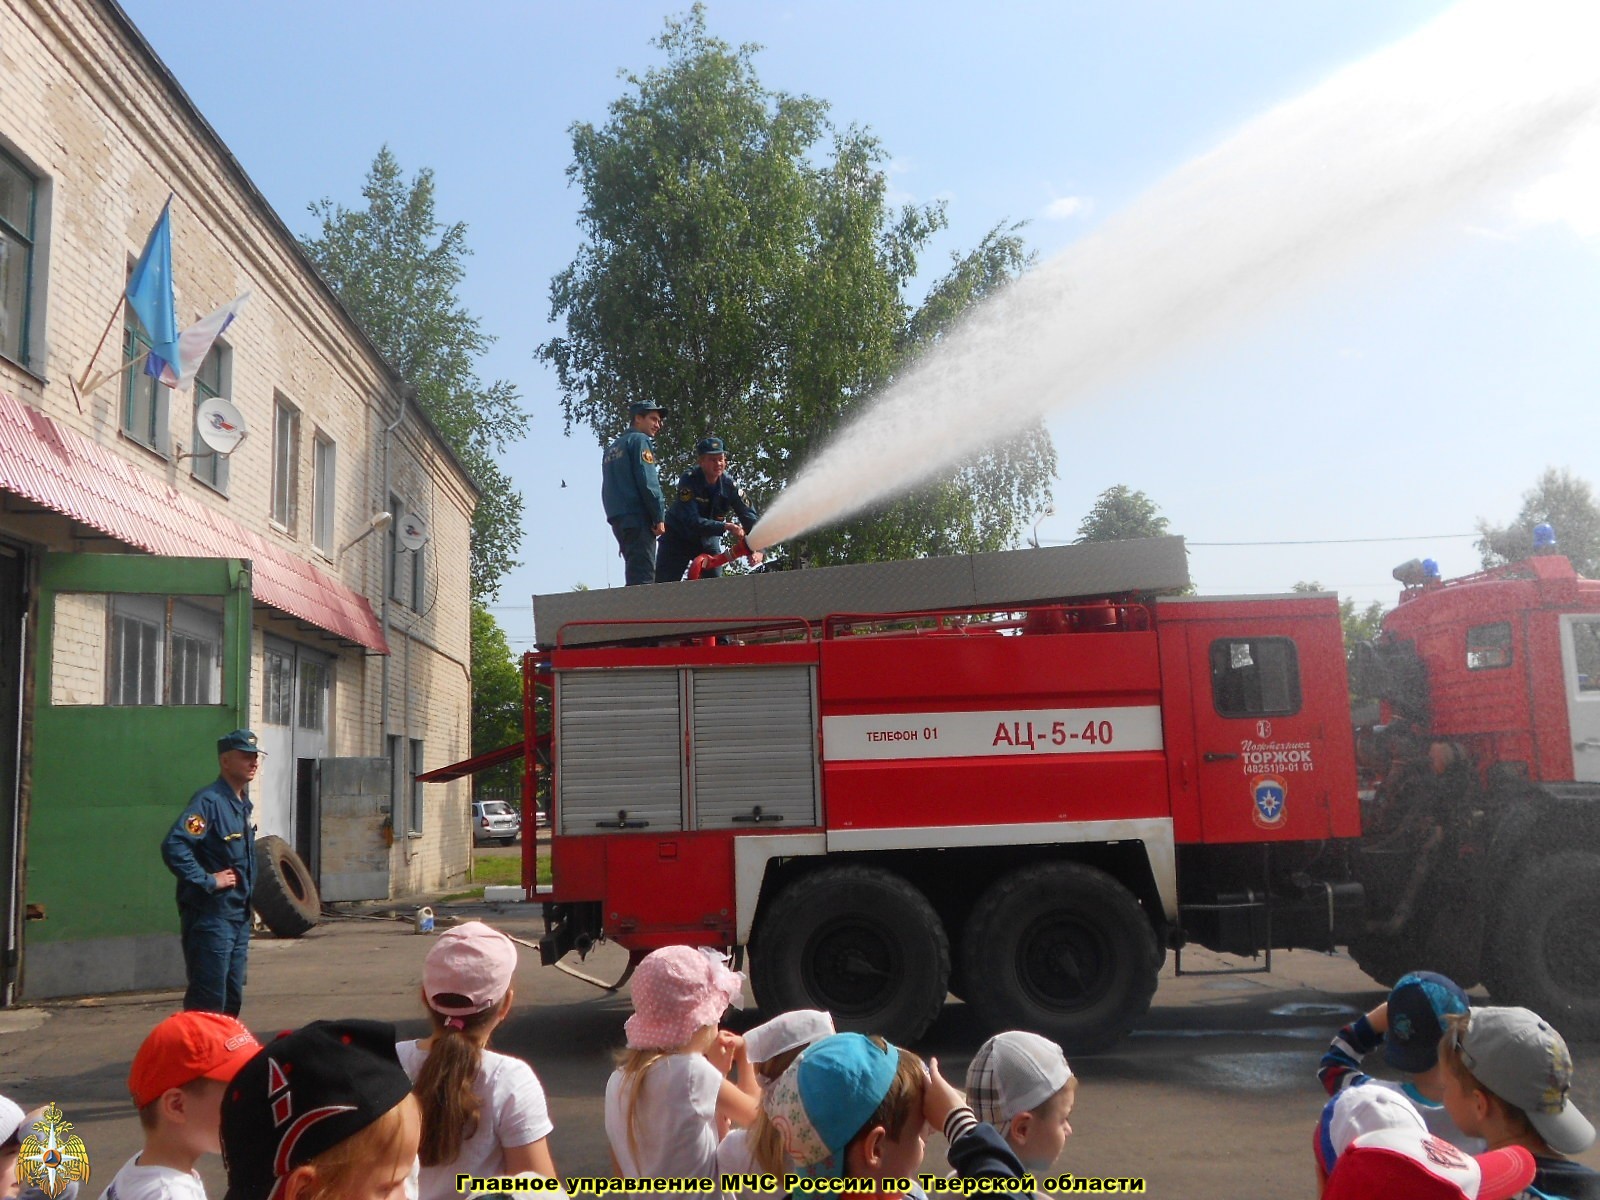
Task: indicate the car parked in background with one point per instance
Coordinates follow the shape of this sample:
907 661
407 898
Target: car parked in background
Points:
495 821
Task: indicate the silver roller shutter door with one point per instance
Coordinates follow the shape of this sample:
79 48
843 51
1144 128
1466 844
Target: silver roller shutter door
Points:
754 744
620 749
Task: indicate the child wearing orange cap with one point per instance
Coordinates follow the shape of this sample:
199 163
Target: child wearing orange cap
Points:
177 1080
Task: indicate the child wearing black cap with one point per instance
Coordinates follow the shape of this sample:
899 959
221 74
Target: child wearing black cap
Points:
1408 1026
320 1113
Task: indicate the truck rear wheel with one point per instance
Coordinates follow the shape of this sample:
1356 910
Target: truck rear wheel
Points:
1545 954
1061 949
859 942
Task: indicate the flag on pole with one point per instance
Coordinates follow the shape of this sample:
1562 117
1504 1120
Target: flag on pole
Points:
194 343
150 292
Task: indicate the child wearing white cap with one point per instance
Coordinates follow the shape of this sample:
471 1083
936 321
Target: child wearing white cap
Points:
1506 1079
1020 1084
771 1047
483 1113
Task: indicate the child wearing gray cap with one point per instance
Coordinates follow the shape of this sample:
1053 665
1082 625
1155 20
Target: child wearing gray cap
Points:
1506 1078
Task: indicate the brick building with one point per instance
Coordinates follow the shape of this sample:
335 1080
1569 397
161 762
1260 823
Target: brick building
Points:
153 593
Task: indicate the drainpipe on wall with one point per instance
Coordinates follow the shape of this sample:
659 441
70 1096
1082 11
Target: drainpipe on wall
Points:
399 817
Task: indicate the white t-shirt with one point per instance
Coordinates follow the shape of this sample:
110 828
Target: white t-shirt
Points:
676 1128
511 1112
134 1182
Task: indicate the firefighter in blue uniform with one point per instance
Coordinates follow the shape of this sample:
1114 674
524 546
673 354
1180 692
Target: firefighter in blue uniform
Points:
630 489
708 505
211 849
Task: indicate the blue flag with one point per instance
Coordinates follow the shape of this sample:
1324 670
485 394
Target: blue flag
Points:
150 294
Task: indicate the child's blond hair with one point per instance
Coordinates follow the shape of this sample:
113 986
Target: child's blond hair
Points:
339 1167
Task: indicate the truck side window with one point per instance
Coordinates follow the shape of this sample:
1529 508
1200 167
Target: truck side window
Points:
1489 646
1586 648
1255 677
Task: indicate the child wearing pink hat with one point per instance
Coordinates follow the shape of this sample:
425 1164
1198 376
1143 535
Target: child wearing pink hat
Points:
483 1113
671 1087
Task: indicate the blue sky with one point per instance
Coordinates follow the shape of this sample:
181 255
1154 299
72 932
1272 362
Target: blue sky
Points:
1408 398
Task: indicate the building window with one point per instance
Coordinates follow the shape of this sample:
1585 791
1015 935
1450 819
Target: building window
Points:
277 688
211 380
324 461
134 677
416 788
164 650
19 196
313 705
417 578
144 400
395 549
1255 677
285 463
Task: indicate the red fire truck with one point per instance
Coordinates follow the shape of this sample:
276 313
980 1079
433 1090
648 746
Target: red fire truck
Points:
1023 777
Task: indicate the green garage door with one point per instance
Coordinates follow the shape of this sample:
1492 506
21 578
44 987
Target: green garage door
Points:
142 663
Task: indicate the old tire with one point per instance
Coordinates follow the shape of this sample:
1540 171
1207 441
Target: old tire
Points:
285 895
1061 949
1545 954
859 942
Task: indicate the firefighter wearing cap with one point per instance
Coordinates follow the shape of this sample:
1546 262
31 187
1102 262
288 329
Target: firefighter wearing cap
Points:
708 505
630 489
211 849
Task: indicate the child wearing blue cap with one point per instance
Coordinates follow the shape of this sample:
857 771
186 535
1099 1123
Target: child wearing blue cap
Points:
1408 1025
854 1106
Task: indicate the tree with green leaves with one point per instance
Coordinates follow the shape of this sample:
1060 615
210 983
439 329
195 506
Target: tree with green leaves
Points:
396 267
1565 502
1119 513
496 697
743 267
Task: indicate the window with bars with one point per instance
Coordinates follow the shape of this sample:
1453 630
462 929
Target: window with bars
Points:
313 699
163 650
211 380
19 201
277 688
285 463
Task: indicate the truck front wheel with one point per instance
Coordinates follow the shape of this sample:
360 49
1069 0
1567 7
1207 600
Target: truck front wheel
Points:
858 942
1545 955
1062 949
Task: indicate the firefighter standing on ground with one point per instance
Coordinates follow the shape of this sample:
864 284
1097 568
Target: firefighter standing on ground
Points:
211 849
708 505
630 489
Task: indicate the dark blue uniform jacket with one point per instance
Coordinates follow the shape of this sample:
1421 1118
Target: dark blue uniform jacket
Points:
630 481
698 511
213 833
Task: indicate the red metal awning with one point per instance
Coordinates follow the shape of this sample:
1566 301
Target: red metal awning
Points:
67 473
471 766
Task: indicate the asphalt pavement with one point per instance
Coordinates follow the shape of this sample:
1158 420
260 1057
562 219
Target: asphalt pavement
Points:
1214 1095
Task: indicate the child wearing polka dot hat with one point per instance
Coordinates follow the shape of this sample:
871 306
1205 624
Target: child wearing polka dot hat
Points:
670 1091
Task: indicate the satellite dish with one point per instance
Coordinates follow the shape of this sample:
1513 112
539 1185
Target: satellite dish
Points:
220 425
413 531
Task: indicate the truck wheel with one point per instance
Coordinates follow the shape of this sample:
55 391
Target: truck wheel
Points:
1545 953
284 894
1061 949
858 942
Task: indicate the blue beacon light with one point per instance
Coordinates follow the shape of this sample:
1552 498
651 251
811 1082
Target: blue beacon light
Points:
1544 537
1430 570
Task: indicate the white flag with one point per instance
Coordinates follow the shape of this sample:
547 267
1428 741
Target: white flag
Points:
195 342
